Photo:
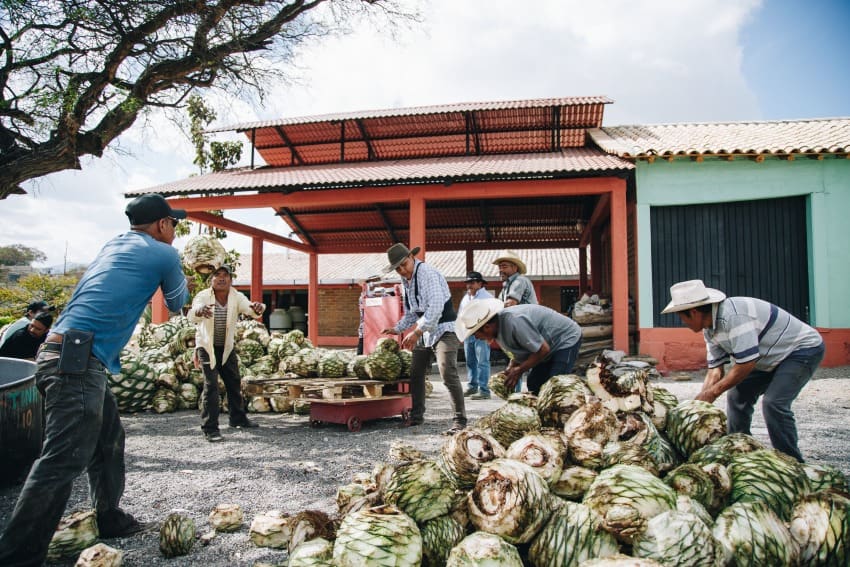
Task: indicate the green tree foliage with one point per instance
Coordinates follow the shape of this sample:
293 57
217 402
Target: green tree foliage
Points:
55 290
74 75
20 255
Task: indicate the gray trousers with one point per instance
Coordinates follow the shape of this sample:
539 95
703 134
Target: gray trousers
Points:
82 433
780 388
445 349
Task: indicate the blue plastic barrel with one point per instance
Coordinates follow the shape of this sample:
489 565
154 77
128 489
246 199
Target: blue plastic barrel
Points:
20 419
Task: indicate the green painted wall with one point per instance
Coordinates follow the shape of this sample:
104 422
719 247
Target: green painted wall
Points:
826 183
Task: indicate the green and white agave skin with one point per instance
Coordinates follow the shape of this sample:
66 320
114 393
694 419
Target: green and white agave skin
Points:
618 453
439 536
826 477
691 506
644 432
620 560
559 397
768 476
694 424
378 537
317 552
626 497
510 500
588 430
481 549
752 535
719 475
820 524
572 535
543 453
511 421
663 400
463 454
497 385
722 449
176 535
421 490
574 482
203 253
691 480
75 532
678 539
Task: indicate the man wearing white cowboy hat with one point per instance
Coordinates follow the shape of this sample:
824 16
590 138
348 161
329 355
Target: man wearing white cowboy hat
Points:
774 355
537 339
428 307
517 289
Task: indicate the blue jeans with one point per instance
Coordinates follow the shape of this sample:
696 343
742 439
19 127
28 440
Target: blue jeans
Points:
559 362
82 433
780 388
478 363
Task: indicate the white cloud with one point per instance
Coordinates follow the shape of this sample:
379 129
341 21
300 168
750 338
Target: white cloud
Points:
661 61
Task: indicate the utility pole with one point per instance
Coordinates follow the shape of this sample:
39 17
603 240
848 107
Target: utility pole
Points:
65 263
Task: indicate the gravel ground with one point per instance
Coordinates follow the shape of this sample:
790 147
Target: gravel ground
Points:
289 466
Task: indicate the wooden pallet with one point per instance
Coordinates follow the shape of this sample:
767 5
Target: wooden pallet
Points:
325 389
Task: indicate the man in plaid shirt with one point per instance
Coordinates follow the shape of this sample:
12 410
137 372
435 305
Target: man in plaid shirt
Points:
428 308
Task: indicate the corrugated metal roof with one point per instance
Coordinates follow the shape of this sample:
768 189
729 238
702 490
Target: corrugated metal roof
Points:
781 137
418 110
411 171
293 268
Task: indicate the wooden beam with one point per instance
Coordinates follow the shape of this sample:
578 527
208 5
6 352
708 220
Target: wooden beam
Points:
370 148
759 158
300 229
580 186
239 228
313 300
257 269
296 157
620 269
386 221
698 158
485 221
417 225
601 210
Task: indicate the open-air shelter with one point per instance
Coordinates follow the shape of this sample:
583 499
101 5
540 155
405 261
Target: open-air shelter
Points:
472 176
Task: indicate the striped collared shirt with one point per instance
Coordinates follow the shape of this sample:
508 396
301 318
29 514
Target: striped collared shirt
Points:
748 329
424 303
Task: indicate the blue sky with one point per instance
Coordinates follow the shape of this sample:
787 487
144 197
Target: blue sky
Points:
659 60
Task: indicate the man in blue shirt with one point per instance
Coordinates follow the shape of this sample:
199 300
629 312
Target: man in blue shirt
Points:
83 431
477 352
428 307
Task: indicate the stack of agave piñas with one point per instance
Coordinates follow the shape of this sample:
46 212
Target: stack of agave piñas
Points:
158 372
606 469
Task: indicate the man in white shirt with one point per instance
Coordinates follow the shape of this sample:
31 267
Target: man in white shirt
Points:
476 351
774 355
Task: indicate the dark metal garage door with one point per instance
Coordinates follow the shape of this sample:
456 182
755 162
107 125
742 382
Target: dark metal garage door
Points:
751 248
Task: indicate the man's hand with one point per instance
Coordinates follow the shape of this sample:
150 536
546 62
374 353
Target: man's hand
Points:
410 340
258 307
512 375
205 311
707 395
510 302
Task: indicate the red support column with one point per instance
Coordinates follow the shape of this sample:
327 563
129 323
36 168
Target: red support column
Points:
417 225
620 268
470 261
257 269
159 312
582 270
313 300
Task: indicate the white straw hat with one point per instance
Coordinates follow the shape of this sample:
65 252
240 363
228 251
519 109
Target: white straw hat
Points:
475 315
509 256
690 294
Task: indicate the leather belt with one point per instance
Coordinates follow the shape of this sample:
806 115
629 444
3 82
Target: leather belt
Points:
51 347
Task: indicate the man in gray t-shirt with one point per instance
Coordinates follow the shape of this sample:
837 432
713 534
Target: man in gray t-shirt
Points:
535 338
774 355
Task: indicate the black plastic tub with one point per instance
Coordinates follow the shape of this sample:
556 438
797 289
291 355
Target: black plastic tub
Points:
20 419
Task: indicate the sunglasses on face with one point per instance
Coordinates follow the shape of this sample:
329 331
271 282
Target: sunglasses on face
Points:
174 221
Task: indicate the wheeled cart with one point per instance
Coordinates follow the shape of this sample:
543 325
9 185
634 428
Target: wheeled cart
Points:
352 412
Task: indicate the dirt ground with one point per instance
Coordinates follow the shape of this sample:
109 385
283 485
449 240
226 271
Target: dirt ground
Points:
290 466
